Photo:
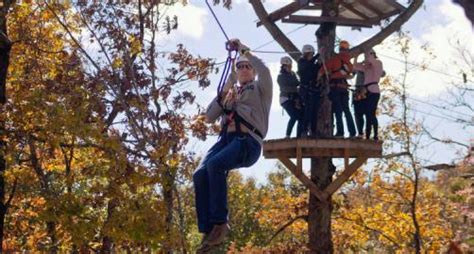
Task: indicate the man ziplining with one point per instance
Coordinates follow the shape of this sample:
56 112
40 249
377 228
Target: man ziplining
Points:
244 108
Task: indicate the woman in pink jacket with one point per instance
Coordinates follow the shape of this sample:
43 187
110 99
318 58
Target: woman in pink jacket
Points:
373 71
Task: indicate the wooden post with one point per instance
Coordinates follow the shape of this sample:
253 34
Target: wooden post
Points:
322 168
5 48
345 175
313 189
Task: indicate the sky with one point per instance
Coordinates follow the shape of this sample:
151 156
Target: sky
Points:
436 26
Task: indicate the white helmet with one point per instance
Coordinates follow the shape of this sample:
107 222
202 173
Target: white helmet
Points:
308 48
241 59
286 60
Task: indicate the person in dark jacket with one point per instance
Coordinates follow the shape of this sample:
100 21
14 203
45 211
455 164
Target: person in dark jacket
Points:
289 97
308 68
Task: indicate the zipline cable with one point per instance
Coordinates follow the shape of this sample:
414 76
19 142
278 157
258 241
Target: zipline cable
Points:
230 59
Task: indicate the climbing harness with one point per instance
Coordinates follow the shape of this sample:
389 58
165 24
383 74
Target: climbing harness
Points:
231 115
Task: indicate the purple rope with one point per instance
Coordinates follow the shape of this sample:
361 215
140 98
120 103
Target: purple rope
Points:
225 73
230 59
217 20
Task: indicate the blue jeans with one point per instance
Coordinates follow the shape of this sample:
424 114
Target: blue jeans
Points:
360 112
340 104
312 102
210 179
372 102
295 115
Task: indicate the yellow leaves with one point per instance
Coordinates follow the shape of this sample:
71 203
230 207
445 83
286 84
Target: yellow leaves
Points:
174 161
47 15
117 63
386 215
135 45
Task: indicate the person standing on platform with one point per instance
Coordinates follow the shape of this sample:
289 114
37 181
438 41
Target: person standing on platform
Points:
373 71
308 68
289 97
339 69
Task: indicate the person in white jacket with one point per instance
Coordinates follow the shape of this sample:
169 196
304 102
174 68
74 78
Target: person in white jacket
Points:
244 109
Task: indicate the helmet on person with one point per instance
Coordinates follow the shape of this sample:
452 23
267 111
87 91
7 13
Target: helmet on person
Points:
344 45
308 48
286 60
241 59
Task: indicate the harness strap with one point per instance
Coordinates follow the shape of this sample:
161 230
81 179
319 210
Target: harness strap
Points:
240 120
342 68
369 84
233 116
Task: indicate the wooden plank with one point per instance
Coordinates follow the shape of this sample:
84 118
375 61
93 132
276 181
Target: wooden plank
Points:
346 159
299 160
283 144
324 144
389 14
367 5
342 178
355 11
283 12
313 7
396 5
334 153
313 189
302 19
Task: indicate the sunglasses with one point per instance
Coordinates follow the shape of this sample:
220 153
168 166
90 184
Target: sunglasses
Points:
244 66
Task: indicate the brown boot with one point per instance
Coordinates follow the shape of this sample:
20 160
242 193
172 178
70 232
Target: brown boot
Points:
218 234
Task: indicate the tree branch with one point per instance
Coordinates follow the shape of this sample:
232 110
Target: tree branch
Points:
68 31
289 223
372 229
444 141
394 26
12 193
393 155
273 29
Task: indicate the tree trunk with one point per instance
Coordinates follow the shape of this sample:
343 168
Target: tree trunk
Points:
168 198
51 228
322 169
5 47
107 241
181 222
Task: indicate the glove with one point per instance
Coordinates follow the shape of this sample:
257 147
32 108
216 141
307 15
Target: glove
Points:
243 49
235 44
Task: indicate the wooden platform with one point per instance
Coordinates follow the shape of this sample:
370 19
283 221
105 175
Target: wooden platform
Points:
359 149
335 148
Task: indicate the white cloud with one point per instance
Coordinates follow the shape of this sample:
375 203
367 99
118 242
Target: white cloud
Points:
439 37
191 19
275 70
